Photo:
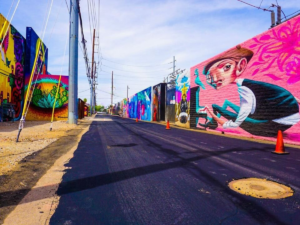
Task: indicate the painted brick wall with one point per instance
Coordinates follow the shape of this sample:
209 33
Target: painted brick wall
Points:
12 53
42 101
158 103
253 88
182 99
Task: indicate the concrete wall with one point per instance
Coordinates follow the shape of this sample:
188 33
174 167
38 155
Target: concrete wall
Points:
12 52
252 89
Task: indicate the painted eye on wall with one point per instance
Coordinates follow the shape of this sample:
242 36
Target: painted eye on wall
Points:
227 67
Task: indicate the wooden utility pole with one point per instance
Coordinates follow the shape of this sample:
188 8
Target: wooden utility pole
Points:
93 77
112 87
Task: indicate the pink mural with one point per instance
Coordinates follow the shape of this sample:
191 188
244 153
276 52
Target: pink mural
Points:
253 88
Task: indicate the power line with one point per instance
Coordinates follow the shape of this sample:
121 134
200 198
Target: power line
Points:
135 71
137 66
84 90
254 6
118 75
293 13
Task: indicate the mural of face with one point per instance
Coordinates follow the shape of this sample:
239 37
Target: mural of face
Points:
225 72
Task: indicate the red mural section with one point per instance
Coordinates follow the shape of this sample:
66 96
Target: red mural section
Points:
252 89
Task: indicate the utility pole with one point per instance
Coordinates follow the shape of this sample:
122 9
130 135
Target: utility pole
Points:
73 63
112 87
172 75
93 77
174 64
127 91
278 15
272 19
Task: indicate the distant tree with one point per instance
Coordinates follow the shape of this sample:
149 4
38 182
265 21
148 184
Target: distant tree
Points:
85 100
99 108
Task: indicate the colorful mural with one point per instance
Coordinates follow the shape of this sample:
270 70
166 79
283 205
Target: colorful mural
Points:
12 53
139 105
32 46
170 102
182 99
252 89
144 107
158 104
125 108
42 101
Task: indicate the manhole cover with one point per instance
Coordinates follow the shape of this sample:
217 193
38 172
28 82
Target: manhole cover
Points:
261 188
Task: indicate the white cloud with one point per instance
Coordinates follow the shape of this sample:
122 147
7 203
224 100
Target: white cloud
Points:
140 32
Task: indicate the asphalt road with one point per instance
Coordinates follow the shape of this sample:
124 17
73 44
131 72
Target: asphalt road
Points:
125 172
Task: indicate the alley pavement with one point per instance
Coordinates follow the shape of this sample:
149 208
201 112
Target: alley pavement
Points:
125 172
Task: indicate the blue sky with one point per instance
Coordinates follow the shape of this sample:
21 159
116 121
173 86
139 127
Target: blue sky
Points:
145 32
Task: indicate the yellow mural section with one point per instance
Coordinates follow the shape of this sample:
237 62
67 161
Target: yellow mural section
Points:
7 60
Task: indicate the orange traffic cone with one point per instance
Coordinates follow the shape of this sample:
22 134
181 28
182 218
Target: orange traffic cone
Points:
136 120
168 125
279 149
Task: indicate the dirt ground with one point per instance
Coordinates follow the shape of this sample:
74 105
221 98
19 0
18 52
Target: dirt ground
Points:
31 170
35 136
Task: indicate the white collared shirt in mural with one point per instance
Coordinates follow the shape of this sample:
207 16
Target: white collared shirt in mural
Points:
248 106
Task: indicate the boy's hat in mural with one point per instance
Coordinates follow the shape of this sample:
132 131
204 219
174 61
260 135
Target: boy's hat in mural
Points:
235 54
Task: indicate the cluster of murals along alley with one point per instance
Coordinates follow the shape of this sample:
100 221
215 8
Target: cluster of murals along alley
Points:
250 90
17 57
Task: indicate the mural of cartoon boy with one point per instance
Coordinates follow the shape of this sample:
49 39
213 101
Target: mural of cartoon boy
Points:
264 108
183 109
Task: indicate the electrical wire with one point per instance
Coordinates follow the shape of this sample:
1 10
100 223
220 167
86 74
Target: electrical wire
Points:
84 90
254 6
293 13
10 8
118 75
1 33
154 65
26 105
58 85
134 71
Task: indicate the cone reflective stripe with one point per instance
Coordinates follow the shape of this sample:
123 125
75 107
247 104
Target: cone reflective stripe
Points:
168 125
279 149
136 120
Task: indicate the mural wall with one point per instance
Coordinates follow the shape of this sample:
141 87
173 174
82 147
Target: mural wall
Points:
170 103
253 88
42 101
125 108
32 44
132 106
158 105
182 99
144 107
139 105
12 53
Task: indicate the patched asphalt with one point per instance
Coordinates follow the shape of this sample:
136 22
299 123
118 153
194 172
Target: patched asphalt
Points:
125 172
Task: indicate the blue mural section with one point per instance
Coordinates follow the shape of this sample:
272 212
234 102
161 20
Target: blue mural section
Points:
132 106
31 49
144 108
140 105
